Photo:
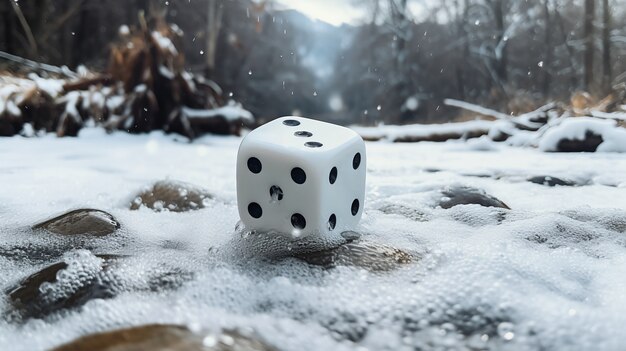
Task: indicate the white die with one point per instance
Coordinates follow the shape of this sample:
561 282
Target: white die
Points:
301 177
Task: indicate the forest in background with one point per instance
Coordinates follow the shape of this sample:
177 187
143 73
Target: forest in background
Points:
394 66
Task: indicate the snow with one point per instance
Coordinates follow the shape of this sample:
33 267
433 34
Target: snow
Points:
164 42
547 274
166 72
51 86
411 104
233 111
71 105
124 30
393 132
575 128
609 115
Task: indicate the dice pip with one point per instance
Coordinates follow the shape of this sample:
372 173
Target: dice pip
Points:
301 177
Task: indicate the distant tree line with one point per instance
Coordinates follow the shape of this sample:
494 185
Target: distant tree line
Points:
508 54
397 66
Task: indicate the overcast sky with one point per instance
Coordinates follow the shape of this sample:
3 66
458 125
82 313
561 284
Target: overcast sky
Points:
337 12
332 11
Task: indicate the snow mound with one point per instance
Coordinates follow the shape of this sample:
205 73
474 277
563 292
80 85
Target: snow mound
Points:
581 128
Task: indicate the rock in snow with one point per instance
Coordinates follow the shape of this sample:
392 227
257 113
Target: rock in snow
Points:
551 181
463 195
62 285
584 134
162 337
81 221
170 195
370 256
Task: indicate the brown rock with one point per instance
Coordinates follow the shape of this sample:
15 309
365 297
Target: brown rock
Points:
158 337
371 256
172 195
31 298
464 195
81 221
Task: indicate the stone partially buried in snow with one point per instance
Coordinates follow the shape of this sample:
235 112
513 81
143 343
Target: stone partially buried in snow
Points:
584 134
163 337
82 276
67 284
465 195
172 196
551 181
81 221
371 256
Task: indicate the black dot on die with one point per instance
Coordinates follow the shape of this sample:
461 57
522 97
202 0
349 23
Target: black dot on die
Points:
332 222
276 192
332 176
291 122
255 210
298 175
356 161
355 207
254 165
298 221
303 133
313 144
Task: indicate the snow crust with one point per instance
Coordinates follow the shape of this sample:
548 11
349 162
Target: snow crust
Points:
548 274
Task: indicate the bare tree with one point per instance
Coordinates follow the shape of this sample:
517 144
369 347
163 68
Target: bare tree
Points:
549 49
214 25
606 46
589 38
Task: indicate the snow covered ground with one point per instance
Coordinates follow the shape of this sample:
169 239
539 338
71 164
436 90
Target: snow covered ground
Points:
547 274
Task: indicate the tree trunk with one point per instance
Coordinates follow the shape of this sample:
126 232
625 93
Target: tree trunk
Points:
80 37
606 47
588 56
461 13
400 79
9 28
501 59
547 61
558 19
213 31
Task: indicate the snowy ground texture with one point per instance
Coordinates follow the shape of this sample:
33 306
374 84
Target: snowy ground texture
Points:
547 274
